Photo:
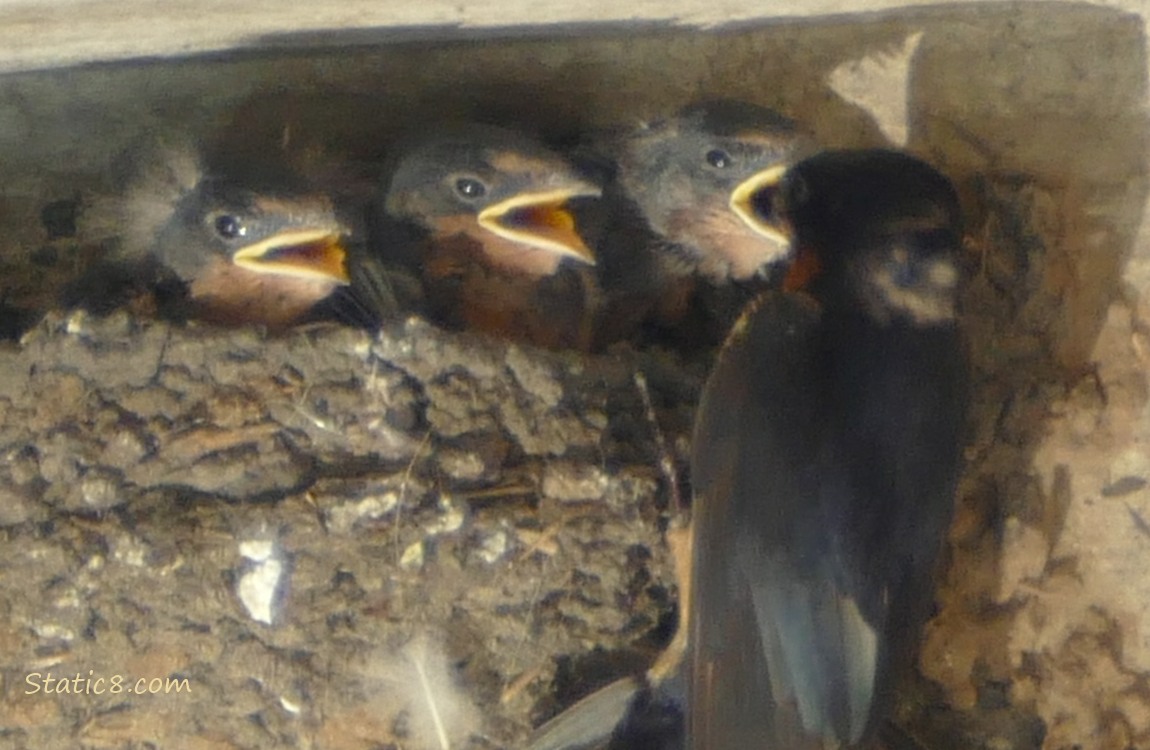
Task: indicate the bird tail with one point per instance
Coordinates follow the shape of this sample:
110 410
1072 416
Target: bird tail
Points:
823 656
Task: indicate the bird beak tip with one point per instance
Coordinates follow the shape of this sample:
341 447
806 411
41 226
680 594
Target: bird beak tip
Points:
319 255
544 221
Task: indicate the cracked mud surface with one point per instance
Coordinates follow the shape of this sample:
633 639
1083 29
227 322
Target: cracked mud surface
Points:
501 507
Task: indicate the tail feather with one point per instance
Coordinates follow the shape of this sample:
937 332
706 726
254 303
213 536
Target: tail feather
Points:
822 654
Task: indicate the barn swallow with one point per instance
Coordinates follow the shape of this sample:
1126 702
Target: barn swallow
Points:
705 181
258 246
705 184
483 215
824 461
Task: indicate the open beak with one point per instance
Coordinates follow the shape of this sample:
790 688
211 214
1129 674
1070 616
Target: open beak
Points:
541 220
316 254
754 201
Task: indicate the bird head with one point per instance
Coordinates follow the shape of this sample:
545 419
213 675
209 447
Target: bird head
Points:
876 230
277 230
707 179
502 190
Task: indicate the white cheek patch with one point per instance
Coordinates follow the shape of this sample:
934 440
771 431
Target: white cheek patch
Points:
929 302
942 274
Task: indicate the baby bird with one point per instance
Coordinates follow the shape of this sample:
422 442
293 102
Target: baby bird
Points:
702 185
251 246
483 217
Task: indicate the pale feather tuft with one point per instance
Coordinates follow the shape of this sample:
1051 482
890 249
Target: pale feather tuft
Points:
418 681
156 176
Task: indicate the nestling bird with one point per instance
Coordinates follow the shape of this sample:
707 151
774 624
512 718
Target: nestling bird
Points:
704 183
483 216
824 462
257 245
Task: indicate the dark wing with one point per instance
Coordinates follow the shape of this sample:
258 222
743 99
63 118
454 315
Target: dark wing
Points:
903 398
823 466
377 292
384 274
755 651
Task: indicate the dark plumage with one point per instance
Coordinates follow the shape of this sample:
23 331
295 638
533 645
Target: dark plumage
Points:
825 455
824 461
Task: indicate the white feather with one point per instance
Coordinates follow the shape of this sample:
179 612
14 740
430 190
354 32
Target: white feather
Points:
441 715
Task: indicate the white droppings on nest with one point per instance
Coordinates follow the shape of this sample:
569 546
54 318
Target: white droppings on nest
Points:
99 492
343 518
51 631
450 520
572 482
316 420
289 705
260 585
77 323
257 550
879 84
462 465
492 547
412 557
129 550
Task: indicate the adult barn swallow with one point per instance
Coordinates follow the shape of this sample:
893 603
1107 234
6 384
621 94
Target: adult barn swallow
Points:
258 246
824 461
824 458
705 184
483 215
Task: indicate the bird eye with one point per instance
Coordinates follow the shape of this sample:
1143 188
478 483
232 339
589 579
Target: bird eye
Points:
470 188
718 158
229 227
905 270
